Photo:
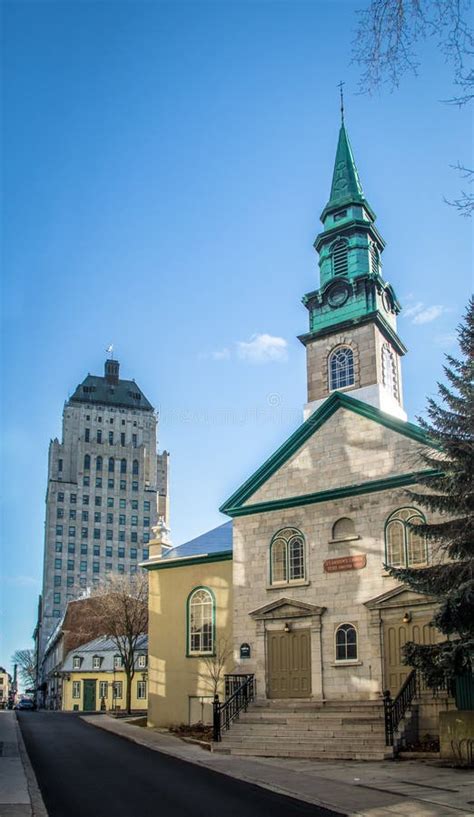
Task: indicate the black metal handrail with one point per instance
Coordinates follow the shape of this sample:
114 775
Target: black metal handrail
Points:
395 708
240 691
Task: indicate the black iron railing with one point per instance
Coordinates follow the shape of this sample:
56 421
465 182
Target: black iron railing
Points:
239 692
395 708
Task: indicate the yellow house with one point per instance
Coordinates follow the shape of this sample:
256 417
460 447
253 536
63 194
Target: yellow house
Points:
190 626
4 688
93 678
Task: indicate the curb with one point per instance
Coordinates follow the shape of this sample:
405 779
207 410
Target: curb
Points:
312 801
38 808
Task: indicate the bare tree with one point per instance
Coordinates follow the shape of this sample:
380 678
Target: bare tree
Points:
212 674
122 605
25 661
385 46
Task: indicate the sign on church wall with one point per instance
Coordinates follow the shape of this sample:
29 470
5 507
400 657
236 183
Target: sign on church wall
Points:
345 563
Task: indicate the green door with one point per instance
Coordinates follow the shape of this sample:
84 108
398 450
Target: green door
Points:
89 696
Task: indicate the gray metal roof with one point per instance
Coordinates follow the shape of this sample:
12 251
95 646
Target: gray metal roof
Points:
99 390
105 648
217 540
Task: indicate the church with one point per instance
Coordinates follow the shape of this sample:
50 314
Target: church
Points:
301 588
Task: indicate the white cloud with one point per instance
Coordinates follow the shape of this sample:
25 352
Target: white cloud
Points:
263 349
419 313
221 354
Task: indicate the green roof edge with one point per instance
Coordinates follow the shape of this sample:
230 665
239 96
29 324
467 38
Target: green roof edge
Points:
358 489
306 430
220 556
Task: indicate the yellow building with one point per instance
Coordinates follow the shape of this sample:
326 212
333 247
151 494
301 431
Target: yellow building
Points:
4 688
93 678
190 626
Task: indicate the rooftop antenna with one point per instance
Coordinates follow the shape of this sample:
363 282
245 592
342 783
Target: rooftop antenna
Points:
341 86
110 351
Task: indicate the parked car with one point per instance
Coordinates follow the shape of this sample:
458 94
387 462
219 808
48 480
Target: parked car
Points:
25 704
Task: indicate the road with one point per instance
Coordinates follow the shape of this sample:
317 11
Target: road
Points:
83 771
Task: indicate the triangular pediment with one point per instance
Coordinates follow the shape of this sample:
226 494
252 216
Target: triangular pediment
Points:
400 596
374 450
287 608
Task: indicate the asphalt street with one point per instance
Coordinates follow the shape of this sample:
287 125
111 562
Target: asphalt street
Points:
83 771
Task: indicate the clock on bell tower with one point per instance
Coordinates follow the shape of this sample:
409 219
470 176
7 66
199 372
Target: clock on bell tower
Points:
352 344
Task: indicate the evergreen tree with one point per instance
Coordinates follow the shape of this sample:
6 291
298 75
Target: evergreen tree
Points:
450 577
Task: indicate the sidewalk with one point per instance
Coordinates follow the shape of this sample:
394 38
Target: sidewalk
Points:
19 793
359 789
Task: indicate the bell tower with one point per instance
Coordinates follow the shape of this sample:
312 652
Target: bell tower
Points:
352 344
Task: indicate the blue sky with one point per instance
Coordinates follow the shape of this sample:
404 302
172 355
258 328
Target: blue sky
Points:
164 168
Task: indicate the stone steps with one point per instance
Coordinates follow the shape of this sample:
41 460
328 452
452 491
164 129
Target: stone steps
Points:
307 729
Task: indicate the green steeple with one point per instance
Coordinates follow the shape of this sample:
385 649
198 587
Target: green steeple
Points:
346 184
352 289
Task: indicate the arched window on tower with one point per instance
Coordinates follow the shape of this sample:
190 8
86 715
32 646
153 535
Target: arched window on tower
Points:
111 465
135 467
341 368
98 464
87 462
389 371
123 466
340 257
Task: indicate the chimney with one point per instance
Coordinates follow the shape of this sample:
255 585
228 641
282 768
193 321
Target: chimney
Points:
112 372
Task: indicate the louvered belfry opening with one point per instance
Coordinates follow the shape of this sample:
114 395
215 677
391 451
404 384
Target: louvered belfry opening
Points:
340 261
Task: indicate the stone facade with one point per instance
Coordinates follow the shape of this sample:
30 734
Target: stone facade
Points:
367 343
349 450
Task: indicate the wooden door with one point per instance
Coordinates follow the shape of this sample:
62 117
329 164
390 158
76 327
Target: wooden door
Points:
289 664
396 635
89 695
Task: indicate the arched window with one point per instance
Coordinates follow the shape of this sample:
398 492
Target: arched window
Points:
201 615
123 466
389 370
340 257
111 465
287 556
344 528
374 258
346 643
98 464
341 368
135 467
87 462
404 546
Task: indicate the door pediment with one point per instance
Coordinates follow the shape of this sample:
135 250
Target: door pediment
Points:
286 608
399 597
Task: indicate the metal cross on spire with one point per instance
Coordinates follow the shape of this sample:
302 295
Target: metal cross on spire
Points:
340 86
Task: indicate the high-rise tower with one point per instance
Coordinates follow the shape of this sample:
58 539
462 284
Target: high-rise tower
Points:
352 344
106 487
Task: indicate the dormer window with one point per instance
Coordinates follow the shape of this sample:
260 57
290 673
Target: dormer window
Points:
340 257
118 663
76 662
96 661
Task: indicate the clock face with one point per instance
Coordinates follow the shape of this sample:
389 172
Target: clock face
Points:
338 295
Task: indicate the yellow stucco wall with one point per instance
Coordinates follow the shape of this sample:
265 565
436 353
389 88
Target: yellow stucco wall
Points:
68 702
175 678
